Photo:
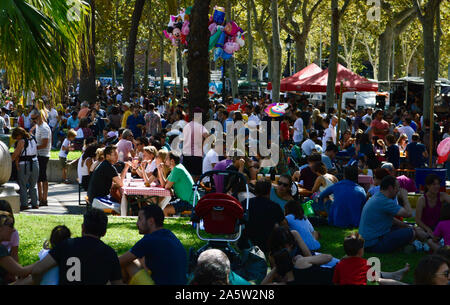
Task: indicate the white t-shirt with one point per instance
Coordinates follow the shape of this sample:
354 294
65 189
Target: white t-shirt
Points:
44 132
64 153
80 133
193 139
52 118
210 158
7 121
330 134
150 168
308 146
298 130
254 119
408 131
2 125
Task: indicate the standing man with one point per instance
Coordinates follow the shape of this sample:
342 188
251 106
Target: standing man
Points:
43 138
136 122
152 121
330 133
298 128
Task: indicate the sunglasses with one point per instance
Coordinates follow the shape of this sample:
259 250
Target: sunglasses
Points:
284 184
445 273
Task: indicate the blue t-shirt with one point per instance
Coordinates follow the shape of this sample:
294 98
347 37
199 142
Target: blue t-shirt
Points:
71 123
349 198
274 197
164 256
327 161
377 217
415 154
132 123
305 229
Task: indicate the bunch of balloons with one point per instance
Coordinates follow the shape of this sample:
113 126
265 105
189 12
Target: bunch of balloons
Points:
178 27
227 38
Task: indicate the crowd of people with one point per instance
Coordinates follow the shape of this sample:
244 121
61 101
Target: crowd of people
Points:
141 137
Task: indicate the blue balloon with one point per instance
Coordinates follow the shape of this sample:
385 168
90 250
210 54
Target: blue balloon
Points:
226 55
221 41
217 53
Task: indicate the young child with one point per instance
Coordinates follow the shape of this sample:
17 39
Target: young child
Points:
352 269
59 234
442 230
65 148
11 245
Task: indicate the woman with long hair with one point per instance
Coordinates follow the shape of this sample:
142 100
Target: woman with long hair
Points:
432 270
428 207
26 162
84 165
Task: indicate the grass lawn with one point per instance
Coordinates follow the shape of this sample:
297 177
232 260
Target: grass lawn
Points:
122 234
54 154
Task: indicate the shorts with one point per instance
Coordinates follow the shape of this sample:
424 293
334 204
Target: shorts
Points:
193 165
181 206
396 238
43 161
142 277
63 162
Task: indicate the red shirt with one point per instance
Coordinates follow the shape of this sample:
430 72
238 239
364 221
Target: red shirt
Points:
379 125
284 131
351 271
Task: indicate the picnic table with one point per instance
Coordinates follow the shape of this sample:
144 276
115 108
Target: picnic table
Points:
137 187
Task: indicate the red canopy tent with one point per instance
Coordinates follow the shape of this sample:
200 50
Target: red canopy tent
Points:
352 82
286 84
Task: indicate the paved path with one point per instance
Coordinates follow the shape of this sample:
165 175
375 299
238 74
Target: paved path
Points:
62 200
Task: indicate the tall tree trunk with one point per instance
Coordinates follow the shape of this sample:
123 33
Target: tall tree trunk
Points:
128 71
300 50
276 61
88 90
198 56
232 61
249 43
161 63
332 67
146 70
437 41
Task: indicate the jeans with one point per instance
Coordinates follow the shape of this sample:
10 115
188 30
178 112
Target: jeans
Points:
322 206
27 180
55 136
396 238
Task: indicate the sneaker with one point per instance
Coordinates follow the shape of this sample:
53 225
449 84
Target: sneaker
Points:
24 208
35 207
418 245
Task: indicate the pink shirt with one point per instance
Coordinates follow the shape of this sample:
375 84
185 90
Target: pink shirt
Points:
443 230
407 183
379 125
124 147
14 242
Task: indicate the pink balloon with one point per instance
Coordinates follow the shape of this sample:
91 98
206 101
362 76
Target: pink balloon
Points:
185 28
212 28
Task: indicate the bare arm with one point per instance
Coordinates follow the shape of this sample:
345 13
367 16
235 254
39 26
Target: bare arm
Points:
406 210
317 259
18 150
41 267
317 184
11 266
301 244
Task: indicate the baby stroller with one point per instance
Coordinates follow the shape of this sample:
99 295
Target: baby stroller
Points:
220 214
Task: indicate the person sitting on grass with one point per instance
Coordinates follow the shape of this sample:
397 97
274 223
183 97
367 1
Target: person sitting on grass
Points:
11 245
83 260
159 257
8 266
213 268
292 262
432 270
180 180
64 152
282 192
428 209
381 233
297 221
59 234
349 198
442 229
353 269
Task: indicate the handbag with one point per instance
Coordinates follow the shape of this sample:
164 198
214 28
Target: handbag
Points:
253 265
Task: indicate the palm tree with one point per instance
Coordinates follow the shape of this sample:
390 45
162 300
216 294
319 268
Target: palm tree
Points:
38 41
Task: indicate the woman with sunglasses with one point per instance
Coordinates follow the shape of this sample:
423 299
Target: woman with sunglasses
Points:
432 270
25 159
282 193
7 264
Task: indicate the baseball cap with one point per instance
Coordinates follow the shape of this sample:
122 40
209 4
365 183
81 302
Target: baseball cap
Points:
127 104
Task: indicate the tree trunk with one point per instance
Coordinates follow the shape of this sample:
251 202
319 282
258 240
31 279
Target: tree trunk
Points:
385 53
181 72
161 64
198 56
232 61
437 41
88 90
300 50
249 39
332 67
128 71
146 69
276 61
